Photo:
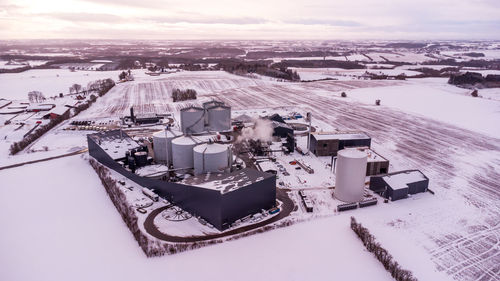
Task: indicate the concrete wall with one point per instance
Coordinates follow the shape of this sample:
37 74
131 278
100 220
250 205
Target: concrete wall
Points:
249 200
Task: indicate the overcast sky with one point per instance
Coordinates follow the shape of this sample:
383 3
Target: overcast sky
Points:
250 19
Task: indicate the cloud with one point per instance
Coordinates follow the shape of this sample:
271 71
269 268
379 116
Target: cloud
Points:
198 19
332 22
85 17
134 3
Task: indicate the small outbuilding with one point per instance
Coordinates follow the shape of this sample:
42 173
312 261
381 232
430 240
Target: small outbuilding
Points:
327 144
398 185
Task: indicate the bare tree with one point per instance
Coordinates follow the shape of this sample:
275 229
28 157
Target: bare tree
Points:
36 96
77 88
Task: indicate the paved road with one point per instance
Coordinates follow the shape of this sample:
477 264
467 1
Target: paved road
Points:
286 208
44 159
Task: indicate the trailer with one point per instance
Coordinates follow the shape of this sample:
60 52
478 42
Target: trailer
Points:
150 193
305 167
348 206
369 202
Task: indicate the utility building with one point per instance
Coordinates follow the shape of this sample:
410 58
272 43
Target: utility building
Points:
327 144
398 185
281 129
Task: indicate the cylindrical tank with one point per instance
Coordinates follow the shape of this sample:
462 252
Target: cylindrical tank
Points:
219 118
350 175
211 157
162 142
141 158
192 120
182 152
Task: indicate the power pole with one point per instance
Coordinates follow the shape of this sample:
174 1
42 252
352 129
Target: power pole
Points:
308 118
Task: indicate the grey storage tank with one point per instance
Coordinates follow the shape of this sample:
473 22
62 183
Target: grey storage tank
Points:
162 145
192 120
211 158
182 151
219 118
207 105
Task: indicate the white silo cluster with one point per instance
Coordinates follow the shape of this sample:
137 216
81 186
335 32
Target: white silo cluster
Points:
163 145
214 117
192 147
350 175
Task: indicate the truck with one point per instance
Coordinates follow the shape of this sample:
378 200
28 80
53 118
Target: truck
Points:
150 193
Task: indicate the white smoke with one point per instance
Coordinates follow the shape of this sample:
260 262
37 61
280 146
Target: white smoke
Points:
263 130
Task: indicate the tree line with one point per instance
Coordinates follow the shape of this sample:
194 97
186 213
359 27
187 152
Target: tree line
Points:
182 95
259 67
382 254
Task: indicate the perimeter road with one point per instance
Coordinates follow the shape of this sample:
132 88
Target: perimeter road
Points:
286 208
44 159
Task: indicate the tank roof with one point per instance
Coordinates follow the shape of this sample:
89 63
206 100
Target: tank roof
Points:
192 109
219 107
372 155
186 140
210 148
352 153
171 133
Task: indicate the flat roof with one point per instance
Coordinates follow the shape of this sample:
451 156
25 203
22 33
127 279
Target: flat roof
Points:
227 182
372 156
114 145
340 136
401 180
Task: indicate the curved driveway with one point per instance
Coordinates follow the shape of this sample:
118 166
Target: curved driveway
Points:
286 208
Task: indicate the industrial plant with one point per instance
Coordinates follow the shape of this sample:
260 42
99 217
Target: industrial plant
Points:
237 171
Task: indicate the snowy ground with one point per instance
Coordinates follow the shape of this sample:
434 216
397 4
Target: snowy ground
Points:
418 126
66 228
51 82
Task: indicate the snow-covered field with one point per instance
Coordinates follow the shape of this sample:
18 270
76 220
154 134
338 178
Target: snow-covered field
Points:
422 123
66 228
447 104
50 82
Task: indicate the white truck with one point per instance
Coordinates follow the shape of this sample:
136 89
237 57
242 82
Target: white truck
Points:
150 193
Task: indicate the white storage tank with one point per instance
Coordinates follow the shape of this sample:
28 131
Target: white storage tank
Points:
182 151
162 145
211 158
350 175
219 118
192 120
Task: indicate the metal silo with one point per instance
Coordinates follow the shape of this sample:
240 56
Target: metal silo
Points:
350 175
211 157
219 118
182 151
192 120
162 142
207 105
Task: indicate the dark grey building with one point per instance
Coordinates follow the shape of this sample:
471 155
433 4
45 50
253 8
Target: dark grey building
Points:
281 129
398 185
327 144
220 199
